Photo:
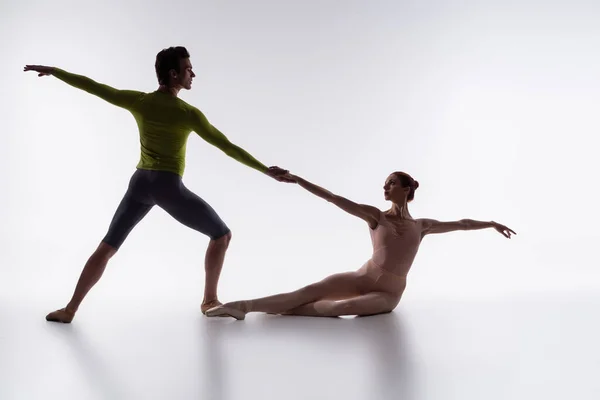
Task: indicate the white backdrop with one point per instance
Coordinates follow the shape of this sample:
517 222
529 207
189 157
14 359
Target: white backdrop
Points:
493 108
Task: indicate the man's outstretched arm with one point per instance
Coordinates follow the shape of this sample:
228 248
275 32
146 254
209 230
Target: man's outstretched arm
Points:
120 98
212 135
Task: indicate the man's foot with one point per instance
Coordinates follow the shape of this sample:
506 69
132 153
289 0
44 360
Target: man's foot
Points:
207 305
226 311
63 315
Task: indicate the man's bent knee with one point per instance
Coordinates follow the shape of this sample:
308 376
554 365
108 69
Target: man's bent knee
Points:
105 251
223 240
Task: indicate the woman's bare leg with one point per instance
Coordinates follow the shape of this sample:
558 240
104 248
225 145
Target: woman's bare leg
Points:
330 297
363 305
346 284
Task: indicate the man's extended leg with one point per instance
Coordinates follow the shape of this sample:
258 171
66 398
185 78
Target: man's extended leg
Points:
92 271
127 216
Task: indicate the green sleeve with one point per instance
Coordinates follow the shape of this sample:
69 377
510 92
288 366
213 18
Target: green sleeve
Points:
212 135
120 98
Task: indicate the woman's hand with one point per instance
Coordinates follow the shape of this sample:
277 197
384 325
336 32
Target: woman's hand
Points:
279 174
292 178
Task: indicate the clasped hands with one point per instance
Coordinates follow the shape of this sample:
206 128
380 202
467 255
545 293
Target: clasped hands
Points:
281 175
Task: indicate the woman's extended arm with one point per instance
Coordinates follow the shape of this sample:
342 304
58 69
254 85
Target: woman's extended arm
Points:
368 213
431 226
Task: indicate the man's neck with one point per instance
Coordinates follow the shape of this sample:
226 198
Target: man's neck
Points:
173 91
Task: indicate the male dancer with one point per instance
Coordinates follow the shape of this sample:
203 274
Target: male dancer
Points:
164 123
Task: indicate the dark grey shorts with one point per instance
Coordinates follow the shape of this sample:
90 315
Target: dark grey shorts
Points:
166 190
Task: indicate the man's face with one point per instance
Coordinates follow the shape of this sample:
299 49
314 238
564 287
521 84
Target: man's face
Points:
186 75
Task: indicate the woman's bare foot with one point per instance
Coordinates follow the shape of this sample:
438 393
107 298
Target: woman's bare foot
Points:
207 305
63 315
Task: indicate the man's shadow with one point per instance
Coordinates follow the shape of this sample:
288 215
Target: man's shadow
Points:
101 379
381 340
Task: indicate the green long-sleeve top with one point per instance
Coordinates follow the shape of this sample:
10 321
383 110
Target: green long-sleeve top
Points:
164 123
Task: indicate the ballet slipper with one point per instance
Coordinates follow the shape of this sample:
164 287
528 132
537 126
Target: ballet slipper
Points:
224 311
208 305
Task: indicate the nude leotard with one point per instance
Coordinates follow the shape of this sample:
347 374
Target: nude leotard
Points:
395 246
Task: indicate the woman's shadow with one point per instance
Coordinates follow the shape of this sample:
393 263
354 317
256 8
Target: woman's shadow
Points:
380 342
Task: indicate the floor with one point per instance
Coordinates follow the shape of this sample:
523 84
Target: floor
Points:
542 346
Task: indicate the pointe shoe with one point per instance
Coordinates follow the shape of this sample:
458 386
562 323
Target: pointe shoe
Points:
223 311
61 315
208 305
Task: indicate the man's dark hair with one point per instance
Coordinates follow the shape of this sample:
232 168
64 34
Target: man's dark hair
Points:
168 59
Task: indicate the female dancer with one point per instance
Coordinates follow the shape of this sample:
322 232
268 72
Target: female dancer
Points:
378 285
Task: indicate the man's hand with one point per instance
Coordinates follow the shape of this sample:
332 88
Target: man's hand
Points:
279 174
42 70
503 230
